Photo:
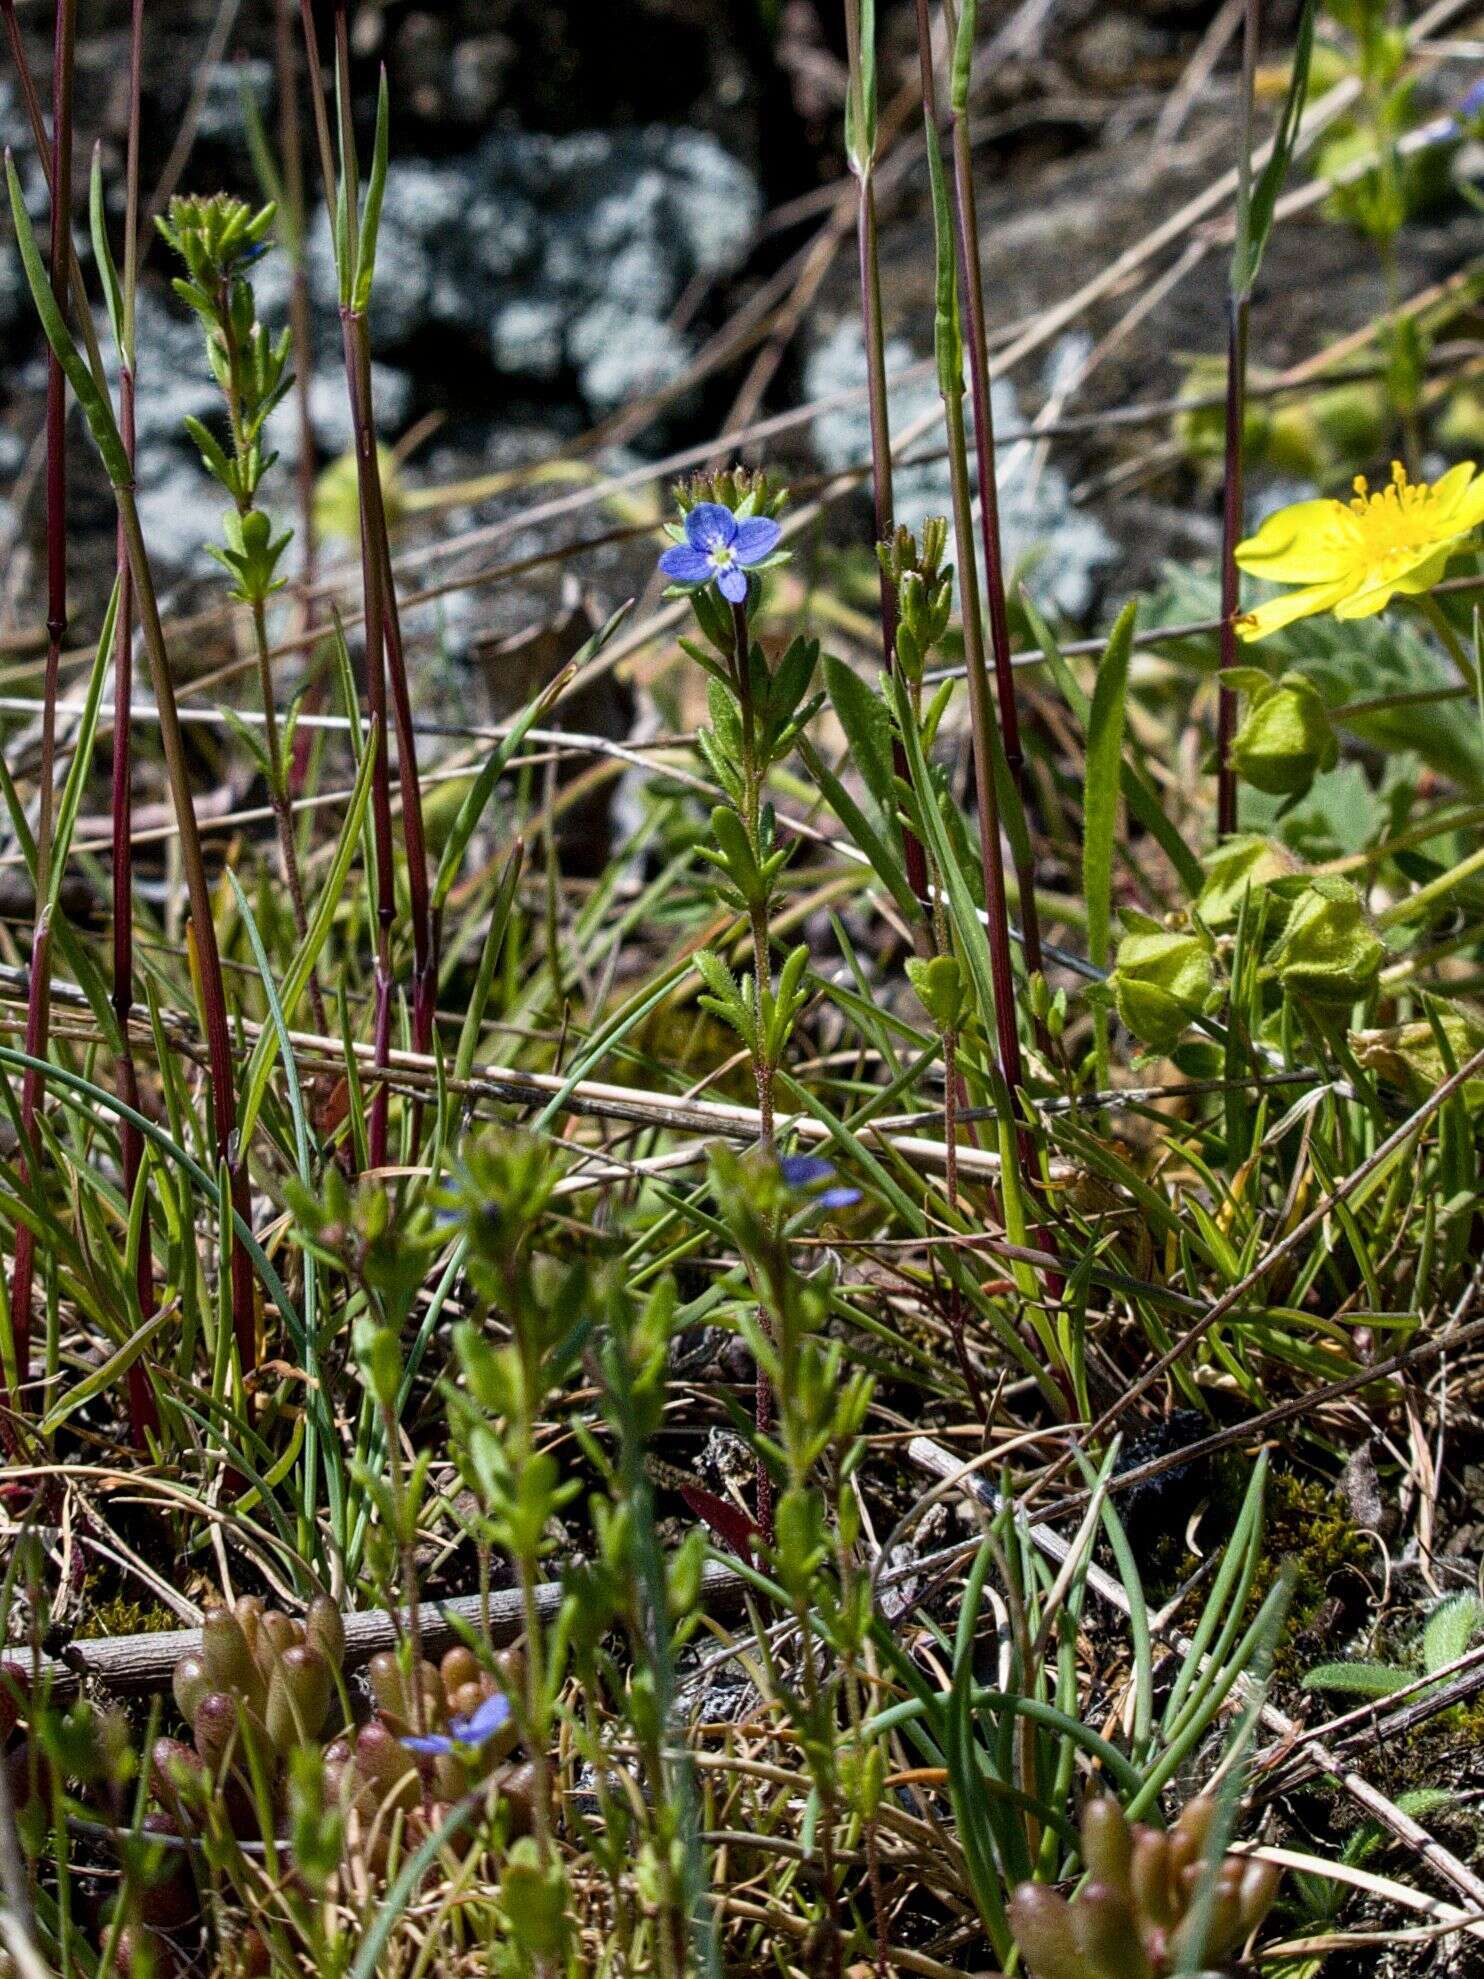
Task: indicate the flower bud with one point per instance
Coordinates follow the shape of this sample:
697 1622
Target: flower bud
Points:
1162 981
533 1896
1285 739
383 1763
1242 865
1328 952
178 1779
1149 1878
1256 1893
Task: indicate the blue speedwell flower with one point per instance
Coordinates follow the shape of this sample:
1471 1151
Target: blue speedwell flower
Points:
477 1729
720 548
803 1171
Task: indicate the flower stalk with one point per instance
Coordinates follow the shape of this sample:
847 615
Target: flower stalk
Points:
89 386
971 283
384 651
38 1001
143 1415
861 146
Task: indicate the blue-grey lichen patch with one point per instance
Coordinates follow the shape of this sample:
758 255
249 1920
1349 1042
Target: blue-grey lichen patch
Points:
1061 548
559 256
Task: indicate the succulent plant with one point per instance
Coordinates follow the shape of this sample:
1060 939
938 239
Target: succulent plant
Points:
1138 1914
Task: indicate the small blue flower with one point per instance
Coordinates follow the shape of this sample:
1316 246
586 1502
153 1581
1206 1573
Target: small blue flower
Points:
477 1729
719 548
802 1171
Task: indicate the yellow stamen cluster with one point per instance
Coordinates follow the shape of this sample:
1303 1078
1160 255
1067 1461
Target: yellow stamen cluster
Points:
1353 558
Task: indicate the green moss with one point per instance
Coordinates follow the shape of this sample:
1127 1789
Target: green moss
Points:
114 1614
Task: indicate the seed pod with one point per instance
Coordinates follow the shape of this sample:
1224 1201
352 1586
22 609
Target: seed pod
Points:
1258 1888
178 1780
510 1670
519 1786
30 1776
467 1698
1107 1844
166 1899
190 1682
384 1675
1149 1878
138 1949
324 1630
248 1609
449 1779
298 1697
1105 1935
225 1654
254 1960
276 1633
460 1666
382 1761
216 1725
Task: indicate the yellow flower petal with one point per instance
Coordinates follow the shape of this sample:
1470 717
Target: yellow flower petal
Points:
1306 543
1409 576
1454 488
1278 612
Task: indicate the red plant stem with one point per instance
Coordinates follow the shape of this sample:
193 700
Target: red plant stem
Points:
1231 532
143 1415
38 1001
203 928
301 323
881 472
372 576
972 282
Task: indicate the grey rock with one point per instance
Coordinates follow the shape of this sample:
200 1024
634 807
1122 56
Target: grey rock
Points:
558 253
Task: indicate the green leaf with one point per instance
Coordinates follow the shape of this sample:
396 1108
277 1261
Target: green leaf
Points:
1255 212
108 274
82 754
93 400
489 956
1451 1629
473 807
948 342
1100 803
963 57
1357 1679
371 216
266 1049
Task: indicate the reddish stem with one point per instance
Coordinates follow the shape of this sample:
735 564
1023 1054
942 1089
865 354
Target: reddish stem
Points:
38 1001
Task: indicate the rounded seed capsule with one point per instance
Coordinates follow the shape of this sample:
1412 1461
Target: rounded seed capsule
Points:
215 1726
224 1651
276 1633
460 1666
190 1682
298 1697
324 1630
1107 1845
1042 1922
1106 1935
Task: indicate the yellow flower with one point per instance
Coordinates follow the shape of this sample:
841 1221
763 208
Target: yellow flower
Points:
1352 558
